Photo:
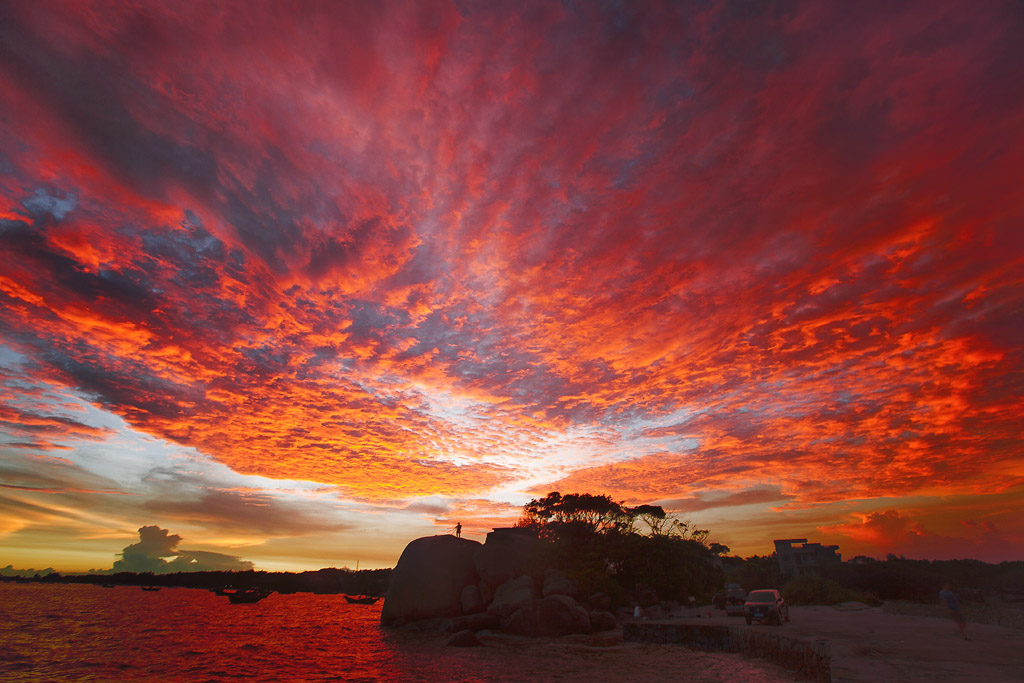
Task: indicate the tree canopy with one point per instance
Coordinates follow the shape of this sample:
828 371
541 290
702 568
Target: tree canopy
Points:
611 547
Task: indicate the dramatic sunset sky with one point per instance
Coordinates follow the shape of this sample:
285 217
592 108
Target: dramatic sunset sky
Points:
299 282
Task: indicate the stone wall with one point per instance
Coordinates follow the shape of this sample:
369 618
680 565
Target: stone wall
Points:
811 660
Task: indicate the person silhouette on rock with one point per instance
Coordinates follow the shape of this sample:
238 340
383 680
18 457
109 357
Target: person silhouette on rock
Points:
458 530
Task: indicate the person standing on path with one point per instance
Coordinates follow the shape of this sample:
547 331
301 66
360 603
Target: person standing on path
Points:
458 530
947 597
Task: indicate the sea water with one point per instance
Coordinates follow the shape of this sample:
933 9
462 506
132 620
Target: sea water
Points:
75 632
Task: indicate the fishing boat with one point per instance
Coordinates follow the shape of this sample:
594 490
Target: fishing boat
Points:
151 588
361 600
247 596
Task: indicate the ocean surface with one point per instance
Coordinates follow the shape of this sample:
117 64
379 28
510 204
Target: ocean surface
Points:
53 632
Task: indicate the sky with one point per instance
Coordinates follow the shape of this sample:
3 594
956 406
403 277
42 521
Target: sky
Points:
288 285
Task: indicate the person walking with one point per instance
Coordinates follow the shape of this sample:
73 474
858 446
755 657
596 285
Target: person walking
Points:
948 598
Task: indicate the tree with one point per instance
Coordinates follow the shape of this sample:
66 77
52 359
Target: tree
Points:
718 549
573 513
653 516
611 548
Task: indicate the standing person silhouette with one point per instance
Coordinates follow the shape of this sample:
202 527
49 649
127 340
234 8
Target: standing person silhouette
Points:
953 605
458 530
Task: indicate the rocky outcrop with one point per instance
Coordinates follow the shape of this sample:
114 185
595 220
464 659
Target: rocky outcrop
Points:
557 615
429 579
600 601
560 615
443 583
556 584
471 601
472 622
505 555
464 639
512 595
602 621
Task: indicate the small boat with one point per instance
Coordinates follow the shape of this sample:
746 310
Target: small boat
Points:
361 600
151 588
108 585
247 596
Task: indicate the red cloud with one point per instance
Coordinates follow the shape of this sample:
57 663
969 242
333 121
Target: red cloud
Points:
891 531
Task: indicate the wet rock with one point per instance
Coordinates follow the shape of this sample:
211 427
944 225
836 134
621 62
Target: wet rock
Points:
472 622
464 639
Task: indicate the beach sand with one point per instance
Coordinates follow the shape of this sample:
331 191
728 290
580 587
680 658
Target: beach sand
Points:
871 645
867 646
606 658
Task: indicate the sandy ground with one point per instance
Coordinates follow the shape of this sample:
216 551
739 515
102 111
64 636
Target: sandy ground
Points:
606 658
871 645
868 646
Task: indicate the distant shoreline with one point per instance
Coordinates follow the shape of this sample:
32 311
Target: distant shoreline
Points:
327 581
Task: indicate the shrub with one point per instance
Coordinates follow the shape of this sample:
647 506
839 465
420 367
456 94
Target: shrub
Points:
814 590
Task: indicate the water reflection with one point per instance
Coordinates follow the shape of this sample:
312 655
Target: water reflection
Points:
86 633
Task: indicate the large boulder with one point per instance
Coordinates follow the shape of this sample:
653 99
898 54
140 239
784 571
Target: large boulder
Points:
428 580
556 584
471 602
602 621
561 615
512 595
557 615
506 554
522 622
600 601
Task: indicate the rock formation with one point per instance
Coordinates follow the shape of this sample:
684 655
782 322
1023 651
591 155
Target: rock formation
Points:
464 639
557 615
452 584
428 580
512 595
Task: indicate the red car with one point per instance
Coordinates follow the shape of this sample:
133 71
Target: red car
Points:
766 605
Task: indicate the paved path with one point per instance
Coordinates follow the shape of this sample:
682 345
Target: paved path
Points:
870 645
